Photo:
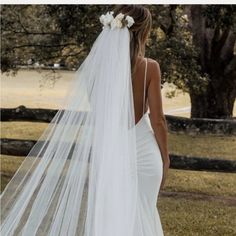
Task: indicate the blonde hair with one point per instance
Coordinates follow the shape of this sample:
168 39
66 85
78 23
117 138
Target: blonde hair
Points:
138 31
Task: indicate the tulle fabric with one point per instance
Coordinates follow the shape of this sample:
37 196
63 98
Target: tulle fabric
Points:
80 178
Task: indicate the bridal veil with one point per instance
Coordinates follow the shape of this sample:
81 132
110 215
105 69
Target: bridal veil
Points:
80 178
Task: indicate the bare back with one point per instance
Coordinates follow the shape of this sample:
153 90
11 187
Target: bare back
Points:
140 88
150 86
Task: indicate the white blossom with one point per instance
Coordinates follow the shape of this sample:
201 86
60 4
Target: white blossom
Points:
107 19
120 16
130 21
117 21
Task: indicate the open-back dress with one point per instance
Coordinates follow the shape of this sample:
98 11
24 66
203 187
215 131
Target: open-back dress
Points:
150 168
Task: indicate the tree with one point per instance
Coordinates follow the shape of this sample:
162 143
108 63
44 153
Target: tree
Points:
47 33
195 46
214 33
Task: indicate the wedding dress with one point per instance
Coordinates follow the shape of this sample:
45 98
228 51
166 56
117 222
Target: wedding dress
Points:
93 172
150 168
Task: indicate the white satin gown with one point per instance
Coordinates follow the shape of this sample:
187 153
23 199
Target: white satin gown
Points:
149 176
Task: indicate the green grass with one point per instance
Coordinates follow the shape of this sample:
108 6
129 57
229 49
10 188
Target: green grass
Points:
212 183
9 165
181 217
22 130
203 145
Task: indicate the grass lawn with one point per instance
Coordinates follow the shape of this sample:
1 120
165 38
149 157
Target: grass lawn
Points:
9 165
202 145
212 183
22 130
223 147
181 217
25 89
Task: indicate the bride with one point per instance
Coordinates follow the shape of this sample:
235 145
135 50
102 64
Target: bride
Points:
98 167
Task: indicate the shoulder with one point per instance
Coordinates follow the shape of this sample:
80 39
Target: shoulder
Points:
152 63
154 71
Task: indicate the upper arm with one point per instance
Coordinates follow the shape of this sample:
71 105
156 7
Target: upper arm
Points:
154 94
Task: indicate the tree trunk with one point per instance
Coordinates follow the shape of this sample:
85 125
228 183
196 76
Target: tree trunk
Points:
217 102
218 60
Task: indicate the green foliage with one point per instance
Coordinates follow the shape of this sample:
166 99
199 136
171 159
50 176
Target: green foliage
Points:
222 16
48 33
79 23
171 45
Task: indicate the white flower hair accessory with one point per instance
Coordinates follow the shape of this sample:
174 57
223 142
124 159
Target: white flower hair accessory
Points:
130 21
106 19
119 21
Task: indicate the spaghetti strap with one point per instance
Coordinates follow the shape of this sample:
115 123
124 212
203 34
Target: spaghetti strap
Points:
144 87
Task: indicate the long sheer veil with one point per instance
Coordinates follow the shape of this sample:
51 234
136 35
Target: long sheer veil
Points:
80 178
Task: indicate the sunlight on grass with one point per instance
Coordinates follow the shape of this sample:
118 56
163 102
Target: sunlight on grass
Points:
171 105
22 130
24 89
9 164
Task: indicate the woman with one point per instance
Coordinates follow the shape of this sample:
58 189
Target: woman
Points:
92 173
153 158
140 31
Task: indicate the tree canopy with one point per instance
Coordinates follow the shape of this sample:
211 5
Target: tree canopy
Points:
194 44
